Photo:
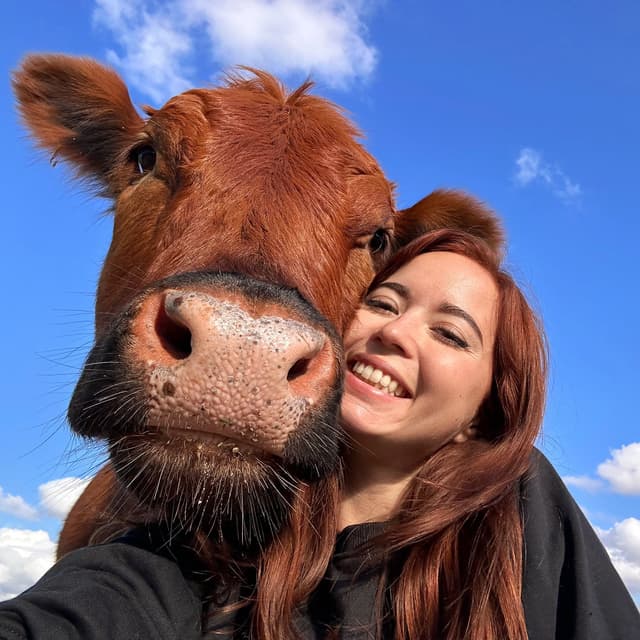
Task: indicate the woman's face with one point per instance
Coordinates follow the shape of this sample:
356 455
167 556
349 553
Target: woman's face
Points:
419 354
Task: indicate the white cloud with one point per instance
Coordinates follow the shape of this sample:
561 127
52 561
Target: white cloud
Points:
58 496
25 554
533 168
530 167
583 482
154 46
622 470
56 499
622 542
16 506
324 38
621 473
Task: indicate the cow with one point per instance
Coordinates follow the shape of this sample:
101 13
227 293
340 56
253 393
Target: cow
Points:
247 222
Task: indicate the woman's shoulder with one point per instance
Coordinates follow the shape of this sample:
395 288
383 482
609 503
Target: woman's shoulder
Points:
570 588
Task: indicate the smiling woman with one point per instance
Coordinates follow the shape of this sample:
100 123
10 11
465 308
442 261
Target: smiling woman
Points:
449 523
443 401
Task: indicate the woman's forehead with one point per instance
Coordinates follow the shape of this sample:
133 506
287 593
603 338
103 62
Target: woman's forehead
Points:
444 269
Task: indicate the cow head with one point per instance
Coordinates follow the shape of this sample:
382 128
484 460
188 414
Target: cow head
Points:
247 222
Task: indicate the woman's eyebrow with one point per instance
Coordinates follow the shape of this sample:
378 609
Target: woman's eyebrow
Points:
455 310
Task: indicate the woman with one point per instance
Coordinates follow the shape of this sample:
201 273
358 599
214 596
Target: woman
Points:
451 525
443 401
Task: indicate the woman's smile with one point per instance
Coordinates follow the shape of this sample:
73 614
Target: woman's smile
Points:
378 374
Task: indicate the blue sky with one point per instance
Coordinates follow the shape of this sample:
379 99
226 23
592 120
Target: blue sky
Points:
531 107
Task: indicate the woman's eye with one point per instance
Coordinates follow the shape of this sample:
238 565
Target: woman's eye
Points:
382 305
452 338
145 159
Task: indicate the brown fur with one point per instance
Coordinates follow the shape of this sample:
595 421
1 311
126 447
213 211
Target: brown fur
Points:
447 208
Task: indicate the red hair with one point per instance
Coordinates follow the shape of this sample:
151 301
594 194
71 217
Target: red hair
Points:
457 533
458 525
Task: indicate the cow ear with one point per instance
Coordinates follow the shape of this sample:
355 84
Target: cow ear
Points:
451 209
80 111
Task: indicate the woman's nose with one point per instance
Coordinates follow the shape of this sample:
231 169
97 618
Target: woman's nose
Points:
399 334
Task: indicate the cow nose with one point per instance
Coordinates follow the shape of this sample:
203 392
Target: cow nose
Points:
189 321
212 367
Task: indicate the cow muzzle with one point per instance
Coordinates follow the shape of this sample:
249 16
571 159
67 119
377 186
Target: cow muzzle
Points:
220 363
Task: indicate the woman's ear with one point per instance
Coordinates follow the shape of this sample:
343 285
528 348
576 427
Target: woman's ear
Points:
468 433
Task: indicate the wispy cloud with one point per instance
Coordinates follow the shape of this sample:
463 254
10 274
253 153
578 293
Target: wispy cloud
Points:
619 473
58 496
533 168
25 554
154 45
622 541
16 506
583 482
160 40
622 469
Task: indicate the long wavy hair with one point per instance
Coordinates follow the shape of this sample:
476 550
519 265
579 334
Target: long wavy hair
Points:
457 534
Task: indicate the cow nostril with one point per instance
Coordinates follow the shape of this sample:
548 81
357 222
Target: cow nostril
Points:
298 369
174 337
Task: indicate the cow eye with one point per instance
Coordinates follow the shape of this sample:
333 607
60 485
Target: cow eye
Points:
145 158
379 241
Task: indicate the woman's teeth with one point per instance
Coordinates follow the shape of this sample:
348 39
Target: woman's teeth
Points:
378 379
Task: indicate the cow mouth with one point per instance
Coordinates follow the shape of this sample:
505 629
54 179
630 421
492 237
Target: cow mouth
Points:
202 438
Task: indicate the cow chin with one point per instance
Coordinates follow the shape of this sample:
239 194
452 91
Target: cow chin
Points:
235 494
240 499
